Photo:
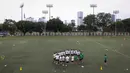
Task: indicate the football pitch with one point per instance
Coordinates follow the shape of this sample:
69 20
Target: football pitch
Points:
33 54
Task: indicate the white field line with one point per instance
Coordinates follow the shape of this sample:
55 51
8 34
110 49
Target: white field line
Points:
113 50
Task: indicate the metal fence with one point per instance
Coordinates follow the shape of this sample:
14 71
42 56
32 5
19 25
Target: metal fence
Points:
74 34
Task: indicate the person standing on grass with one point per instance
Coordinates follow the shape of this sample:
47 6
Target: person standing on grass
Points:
57 58
76 59
54 58
81 56
105 59
72 59
63 60
67 60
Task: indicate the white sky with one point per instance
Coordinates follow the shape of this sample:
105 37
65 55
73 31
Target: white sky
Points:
65 9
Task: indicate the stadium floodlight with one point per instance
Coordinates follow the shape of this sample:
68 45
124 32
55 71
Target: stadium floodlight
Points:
115 12
49 6
45 12
21 6
93 6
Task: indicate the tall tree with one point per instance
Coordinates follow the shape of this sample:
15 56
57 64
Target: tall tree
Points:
81 28
39 27
55 25
103 20
1 27
10 26
25 26
90 21
126 23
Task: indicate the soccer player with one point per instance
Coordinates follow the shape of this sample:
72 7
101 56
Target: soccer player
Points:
76 58
105 59
57 58
72 52
60 59
67 52
54 57
72 58
67 59
81 56
63 52
63 60
78 52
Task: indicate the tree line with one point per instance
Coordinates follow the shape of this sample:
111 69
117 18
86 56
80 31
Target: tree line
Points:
91 23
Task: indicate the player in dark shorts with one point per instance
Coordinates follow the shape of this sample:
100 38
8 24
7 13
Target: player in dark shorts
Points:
76 59
81 57
72 58
67 59
57 58
105 59
54 58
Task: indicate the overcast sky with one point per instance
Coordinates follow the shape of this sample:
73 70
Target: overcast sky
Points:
65 9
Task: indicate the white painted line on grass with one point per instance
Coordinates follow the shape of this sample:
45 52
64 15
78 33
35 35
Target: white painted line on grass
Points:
113 50
23 42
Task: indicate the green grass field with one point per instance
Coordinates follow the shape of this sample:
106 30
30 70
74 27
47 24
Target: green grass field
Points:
34 54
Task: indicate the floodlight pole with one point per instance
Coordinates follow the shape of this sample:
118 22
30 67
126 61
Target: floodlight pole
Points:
49 6
22 11
45 12
93 6
115 12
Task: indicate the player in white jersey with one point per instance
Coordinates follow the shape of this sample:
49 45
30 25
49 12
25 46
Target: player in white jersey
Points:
72 52
63 60
67 59
67 52
72 58
63 52
78 52
57 58
75 52
60 59
54 58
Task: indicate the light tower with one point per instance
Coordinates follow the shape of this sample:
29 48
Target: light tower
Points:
45 12
93 6
115 12
21 6
49 6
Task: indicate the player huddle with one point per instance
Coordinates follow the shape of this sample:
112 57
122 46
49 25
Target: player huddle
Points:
67 56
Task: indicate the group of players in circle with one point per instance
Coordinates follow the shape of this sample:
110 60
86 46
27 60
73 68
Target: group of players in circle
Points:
67 56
